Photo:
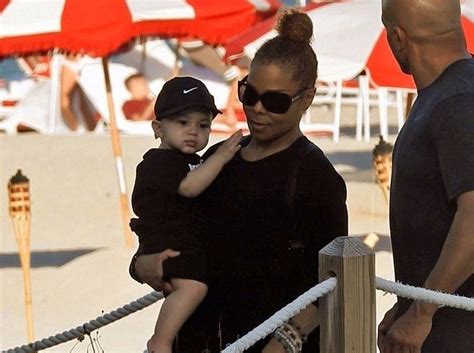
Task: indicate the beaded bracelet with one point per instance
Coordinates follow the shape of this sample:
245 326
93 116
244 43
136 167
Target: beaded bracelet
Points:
284 341
289 337
303 335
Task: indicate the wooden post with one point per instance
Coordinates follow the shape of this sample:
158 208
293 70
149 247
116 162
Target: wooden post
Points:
20 213
117 150
348 313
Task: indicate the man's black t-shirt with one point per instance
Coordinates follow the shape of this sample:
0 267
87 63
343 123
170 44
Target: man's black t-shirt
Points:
433 163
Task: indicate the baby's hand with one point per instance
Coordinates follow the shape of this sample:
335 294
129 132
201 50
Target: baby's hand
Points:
228 149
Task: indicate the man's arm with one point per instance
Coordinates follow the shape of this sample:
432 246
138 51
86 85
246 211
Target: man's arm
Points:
456 262
454 266
197 180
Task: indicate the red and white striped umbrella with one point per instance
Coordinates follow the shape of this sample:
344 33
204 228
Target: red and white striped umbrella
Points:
99 27
235 46
348 38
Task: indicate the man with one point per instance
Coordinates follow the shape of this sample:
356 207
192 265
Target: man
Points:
432 192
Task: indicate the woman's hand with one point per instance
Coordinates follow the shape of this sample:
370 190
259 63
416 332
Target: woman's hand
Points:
273 346
305 321
150 269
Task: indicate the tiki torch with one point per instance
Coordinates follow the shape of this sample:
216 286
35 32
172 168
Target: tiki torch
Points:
382 159
20 212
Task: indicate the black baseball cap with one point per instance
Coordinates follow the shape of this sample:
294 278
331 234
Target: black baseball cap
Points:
181 93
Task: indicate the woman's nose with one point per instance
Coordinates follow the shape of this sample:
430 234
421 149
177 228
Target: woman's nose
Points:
258 107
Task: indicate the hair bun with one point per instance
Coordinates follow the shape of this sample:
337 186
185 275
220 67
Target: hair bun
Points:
294 25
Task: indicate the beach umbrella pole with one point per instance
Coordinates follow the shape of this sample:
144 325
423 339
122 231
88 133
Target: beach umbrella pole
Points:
20 213
55 67
117 151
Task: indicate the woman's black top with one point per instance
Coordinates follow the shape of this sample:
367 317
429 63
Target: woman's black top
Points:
264 223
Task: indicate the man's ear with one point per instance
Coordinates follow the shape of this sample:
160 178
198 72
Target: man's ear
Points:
156 126
400 38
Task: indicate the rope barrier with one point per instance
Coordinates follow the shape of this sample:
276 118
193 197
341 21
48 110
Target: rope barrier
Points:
265 328
430 296
90 326
282 315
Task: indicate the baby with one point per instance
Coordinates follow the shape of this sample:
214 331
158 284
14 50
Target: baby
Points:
167 180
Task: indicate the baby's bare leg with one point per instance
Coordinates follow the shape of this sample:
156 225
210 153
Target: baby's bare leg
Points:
176 309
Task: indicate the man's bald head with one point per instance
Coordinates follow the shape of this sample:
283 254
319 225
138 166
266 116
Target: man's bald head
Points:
423 19
425 36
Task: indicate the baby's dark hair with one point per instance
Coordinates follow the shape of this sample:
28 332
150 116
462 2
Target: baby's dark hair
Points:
132 77
291 47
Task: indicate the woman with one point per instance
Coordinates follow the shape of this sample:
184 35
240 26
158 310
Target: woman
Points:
269 212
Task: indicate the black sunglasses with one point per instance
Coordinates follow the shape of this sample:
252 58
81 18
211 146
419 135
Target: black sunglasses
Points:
273 101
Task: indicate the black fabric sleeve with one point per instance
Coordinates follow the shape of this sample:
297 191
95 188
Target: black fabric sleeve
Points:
323 210
455 144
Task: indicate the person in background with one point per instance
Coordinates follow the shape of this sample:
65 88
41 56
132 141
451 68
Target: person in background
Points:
70 91
35 65
140 106
432 188
270 210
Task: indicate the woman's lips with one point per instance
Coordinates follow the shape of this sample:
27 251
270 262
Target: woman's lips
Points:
256 124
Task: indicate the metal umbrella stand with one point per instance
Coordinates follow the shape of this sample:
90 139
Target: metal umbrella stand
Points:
20 213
